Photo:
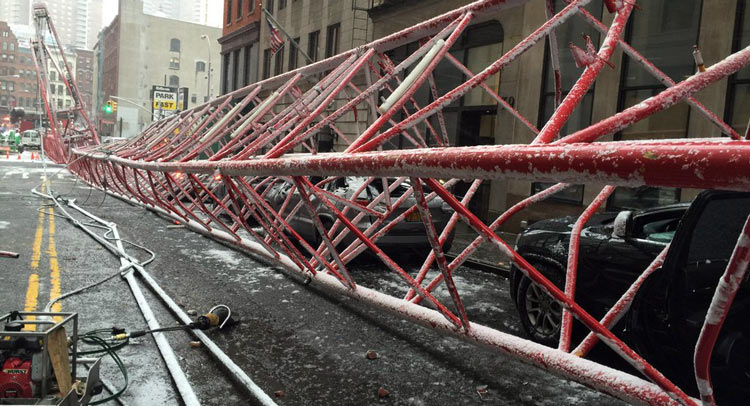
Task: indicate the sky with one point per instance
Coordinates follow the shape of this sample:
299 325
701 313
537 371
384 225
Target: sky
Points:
109 12
215 12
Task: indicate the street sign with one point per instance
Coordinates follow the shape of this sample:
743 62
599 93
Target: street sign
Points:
166 101
164 98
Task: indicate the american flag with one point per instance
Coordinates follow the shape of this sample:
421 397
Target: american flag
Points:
276 41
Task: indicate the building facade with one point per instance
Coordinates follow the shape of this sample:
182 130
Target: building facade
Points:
664 31
202 12
15 11
138 51
85 73
239 44
18 82
77 21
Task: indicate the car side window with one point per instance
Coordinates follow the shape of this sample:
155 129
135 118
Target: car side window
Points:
717 229
657 227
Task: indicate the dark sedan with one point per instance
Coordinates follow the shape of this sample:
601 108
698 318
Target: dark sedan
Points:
666 316
609 262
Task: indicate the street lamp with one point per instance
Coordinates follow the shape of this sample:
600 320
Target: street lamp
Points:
208 75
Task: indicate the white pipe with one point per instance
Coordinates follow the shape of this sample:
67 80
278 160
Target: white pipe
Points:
619 384
127 261
180 379
412 77
262 106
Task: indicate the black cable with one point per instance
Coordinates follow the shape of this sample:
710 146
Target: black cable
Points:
93 338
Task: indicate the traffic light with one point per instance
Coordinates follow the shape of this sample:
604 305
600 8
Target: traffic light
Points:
108 107
114 105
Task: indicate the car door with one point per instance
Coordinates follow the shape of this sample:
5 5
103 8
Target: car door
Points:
621 260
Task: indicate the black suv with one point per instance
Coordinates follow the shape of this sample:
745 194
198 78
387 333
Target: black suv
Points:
666 317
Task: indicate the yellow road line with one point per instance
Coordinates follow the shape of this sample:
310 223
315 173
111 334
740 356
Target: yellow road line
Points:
32 292
54 290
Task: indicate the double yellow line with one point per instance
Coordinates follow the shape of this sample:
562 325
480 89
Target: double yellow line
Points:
32 292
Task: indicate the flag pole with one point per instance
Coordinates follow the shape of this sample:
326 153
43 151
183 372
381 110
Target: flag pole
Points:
277 25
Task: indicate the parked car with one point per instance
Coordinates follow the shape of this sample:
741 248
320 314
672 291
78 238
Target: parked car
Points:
667 314
409 233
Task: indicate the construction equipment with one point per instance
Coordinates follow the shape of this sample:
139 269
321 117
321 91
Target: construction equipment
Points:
269 133
37 368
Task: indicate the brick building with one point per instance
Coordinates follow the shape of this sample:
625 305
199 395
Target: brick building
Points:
176 55
18 83
239 44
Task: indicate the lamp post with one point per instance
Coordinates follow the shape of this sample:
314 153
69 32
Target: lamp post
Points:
208 75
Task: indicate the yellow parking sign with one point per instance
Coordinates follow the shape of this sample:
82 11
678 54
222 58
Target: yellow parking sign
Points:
165 105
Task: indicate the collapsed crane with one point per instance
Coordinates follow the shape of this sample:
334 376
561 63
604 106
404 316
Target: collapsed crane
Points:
212 167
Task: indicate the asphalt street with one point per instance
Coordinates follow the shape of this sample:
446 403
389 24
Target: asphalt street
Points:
301 346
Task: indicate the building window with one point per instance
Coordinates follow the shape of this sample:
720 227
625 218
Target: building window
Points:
235 69
252 7
312 45
194 98
278 67
239 9
248 65
332 40
60 90
293 54
737 110
269 6
200 66
12 46
664 33
174 45
266 63
5 46
174 81
282 4
229 12
174 63
569 32
225 76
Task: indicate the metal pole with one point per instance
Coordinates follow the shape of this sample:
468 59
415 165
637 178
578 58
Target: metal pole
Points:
208 75
296 45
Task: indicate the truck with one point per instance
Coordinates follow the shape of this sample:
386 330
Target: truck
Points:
29 140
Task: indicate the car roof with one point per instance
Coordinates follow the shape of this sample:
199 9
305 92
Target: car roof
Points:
675 206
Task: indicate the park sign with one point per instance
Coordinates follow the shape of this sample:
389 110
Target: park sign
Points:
163 98
166 101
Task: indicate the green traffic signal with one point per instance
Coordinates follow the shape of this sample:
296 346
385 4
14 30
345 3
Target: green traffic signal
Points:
108 108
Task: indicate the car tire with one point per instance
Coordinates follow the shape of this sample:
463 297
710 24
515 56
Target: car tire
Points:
20 149
540 314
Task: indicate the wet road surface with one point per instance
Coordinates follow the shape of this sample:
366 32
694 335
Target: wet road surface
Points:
305 346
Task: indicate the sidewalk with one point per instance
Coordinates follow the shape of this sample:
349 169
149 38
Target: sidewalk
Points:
487 256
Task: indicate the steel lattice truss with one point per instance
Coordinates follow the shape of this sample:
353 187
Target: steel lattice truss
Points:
212 167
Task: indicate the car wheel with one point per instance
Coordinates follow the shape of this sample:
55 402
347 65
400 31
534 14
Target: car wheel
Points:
20 149
540 314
